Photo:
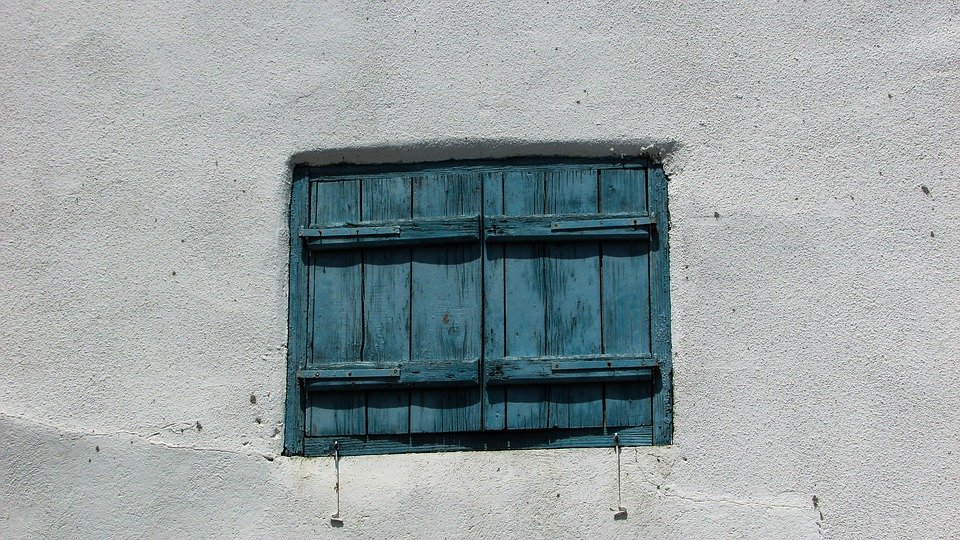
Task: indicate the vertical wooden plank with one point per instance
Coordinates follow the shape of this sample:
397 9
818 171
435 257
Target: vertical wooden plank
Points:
494 397
660 308
386 300
335 279
626 297
572 282
445 305
297 317
335 309
526 406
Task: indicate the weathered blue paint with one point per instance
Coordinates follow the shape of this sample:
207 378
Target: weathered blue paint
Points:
478 305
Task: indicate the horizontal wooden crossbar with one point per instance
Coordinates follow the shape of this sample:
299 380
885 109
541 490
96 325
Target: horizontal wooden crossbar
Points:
503 371
403 232
370 376
410 232
569 369
569 227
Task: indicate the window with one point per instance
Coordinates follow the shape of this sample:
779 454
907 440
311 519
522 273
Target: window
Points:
478 305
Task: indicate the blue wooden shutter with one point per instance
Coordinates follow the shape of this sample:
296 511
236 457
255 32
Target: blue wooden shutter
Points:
394 277
567 299
486 305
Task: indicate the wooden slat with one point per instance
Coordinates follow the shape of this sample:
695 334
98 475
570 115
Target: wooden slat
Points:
445 304
572 285
386 301
494 398
524 322
335 310
660 308
298 318
626 297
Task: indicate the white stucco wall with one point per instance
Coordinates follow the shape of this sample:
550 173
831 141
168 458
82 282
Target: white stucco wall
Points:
813 155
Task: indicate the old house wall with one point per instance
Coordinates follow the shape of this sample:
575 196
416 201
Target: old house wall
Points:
812 151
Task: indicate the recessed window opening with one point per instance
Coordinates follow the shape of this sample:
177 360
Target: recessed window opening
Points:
478 306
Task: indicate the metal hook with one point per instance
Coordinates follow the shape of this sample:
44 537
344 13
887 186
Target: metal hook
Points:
620 512
335 519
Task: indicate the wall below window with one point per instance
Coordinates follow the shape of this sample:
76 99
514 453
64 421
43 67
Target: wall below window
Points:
811 149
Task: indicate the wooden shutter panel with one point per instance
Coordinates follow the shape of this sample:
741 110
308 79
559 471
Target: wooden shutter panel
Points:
567 323
394 299
481 305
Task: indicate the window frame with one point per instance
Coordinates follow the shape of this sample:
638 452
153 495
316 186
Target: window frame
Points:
660 433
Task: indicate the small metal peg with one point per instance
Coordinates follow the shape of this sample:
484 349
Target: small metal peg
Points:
335 519
620 512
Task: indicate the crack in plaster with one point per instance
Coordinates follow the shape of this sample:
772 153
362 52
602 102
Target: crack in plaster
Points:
139 436
723 500
663 491
747 502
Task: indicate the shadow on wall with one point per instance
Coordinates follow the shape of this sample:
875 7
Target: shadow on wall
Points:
659 151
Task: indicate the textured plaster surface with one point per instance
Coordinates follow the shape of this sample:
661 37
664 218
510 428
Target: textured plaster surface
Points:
812 150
